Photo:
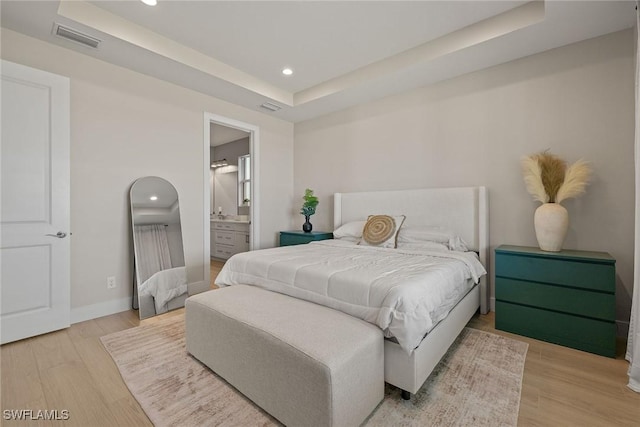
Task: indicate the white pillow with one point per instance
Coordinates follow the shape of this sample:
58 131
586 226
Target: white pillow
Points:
351 231
432 234
424 246
458 244
382 225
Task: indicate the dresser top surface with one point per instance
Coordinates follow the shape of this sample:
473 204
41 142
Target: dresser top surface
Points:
565 253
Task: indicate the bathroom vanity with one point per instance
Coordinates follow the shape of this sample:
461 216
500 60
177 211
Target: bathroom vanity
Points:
229 236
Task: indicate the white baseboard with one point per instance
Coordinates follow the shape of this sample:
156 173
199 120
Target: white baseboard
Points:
101 309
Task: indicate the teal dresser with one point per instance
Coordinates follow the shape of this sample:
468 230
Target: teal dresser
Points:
288 238
566 297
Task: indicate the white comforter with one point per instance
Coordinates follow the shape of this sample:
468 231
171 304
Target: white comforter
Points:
404 292
164 286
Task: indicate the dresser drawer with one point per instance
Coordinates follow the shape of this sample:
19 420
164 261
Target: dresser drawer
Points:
231 226
223 226
595 336
597 305
587 275
224 252
225 237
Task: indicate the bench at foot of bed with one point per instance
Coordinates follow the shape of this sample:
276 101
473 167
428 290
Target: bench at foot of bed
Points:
303 363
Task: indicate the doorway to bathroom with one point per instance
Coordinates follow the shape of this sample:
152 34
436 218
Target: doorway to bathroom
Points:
231 191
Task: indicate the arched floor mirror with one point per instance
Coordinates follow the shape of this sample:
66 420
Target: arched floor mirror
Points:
160 276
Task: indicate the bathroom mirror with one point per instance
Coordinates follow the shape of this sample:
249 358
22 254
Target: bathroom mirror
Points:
160 279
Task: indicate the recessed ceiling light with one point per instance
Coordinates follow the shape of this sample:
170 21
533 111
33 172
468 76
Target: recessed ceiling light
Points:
150 2
287 71
154 198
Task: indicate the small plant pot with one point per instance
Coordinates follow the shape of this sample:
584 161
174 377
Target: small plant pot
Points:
307 227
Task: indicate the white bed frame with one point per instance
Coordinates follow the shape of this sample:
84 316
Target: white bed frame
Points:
464 210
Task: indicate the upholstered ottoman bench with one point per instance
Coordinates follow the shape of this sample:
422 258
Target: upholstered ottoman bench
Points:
305 364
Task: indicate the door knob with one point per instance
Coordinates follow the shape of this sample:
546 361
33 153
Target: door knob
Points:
59 235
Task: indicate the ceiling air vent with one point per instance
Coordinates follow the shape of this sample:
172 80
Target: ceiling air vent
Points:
271 106
75 35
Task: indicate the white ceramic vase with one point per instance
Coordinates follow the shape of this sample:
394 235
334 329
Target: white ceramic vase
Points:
551 222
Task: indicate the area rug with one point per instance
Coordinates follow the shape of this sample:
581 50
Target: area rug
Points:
478 382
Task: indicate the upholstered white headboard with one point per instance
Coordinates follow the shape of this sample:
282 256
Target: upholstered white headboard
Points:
464 210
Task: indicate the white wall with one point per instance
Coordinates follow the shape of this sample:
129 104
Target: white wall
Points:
125 125
577 101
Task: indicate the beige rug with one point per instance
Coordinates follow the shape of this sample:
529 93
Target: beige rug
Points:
477 383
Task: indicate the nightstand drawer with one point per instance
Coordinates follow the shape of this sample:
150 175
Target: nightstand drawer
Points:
587 275
288 238
591 335
597 305
292 239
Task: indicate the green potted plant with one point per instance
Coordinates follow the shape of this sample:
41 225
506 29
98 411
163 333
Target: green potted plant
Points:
308 209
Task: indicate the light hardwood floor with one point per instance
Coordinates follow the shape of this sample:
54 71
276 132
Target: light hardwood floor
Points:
216 266
70 370
566 387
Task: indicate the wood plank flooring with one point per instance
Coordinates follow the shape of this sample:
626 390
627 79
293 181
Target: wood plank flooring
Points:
70 370
216 266
566 387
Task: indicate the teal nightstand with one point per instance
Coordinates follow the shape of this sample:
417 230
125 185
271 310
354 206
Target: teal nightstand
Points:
288 238
566 297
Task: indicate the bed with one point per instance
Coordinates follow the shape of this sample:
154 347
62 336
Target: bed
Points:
312 272
165 290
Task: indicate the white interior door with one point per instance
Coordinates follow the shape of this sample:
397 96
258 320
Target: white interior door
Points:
34 210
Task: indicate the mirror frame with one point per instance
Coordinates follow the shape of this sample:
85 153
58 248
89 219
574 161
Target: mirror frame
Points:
172 282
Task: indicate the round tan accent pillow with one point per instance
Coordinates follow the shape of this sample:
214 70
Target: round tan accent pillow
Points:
378 229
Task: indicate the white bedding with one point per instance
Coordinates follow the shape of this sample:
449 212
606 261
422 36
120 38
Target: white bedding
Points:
164 286
404 292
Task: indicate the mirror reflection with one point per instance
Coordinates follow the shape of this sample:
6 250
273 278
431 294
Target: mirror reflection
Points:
160 274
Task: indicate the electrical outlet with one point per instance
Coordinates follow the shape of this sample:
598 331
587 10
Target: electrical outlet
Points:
111 282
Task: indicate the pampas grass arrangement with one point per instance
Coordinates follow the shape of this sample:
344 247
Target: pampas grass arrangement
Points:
549 180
